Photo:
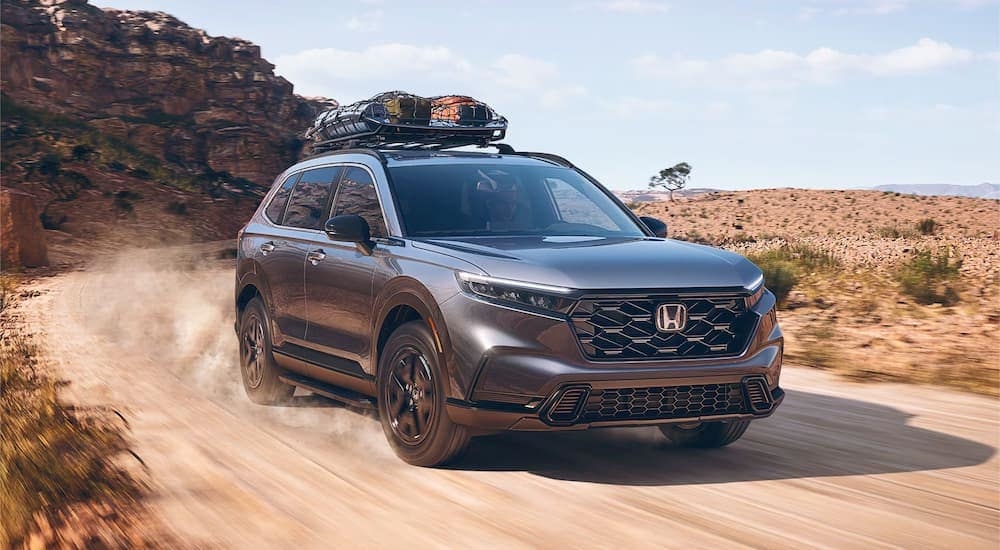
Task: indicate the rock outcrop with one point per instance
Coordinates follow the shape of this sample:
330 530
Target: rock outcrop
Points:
200 103
22 241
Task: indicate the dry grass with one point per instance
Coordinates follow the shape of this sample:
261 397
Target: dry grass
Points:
61 467
868 291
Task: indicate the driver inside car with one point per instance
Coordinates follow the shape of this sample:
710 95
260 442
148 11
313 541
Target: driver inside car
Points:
500 192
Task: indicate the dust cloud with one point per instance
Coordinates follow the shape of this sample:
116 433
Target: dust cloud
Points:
171 309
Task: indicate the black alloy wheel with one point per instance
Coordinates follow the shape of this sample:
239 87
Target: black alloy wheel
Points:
411 399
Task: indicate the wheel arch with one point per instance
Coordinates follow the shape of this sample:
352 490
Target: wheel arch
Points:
249 287
404 300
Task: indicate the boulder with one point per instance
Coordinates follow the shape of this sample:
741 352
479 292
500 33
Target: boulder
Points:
22 239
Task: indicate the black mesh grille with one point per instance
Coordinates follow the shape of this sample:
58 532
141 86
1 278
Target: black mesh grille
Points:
664 402
625 328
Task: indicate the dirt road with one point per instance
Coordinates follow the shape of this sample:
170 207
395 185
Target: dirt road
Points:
839 465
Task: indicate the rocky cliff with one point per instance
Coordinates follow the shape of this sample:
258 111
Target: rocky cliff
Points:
198 102
133 127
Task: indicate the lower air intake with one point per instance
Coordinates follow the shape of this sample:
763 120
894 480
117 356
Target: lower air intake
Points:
757 394
567 406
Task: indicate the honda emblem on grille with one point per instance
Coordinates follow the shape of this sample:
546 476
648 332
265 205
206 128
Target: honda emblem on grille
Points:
671 317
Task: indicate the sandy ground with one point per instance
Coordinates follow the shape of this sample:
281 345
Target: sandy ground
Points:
840 464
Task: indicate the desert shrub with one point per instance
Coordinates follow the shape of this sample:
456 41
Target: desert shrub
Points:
927 226
52 456
8 291
693 236
928 276
140 173
816 349
177 208
123 201
49 165
117 166
893 232
802 256
779 276
82 152
784 266
52 221
66 186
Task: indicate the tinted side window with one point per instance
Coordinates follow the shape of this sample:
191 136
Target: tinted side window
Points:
276 207
309 205
357 196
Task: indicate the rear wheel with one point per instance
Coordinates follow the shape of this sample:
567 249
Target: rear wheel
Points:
411 399
705 434
260 374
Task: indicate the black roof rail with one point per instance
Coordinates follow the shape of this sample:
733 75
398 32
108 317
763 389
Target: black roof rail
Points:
556 159
358 150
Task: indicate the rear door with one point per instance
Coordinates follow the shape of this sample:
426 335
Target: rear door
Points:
339 277
279 260
284 253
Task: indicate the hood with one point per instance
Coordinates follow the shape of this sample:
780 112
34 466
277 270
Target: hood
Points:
592 263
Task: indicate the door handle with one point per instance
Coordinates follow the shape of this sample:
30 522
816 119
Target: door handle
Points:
267 248
316 256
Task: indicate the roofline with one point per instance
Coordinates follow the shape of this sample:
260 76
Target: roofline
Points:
502 148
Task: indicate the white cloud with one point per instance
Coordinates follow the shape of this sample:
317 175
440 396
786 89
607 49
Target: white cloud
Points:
777 69
638 108
873 7
372 62
633 6
352 75
523 73
365 22
560 97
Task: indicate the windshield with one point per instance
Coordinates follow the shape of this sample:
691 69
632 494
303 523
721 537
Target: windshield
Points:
472 199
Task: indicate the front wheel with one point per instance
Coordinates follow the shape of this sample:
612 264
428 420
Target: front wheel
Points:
705 435
411 399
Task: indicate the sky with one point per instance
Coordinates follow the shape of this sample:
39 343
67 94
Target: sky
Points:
753 94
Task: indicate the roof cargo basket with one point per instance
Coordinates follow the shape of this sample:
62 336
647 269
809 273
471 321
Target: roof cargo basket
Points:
398 120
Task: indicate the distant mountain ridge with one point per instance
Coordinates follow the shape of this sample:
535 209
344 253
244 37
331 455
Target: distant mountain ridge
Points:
981 191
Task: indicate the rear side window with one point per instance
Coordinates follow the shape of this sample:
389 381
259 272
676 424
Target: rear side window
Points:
309 204
276 207
357 196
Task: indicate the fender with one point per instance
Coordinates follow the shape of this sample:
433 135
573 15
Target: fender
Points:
410 292
252 277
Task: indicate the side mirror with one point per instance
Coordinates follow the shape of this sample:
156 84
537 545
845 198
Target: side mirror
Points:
656 226
350 228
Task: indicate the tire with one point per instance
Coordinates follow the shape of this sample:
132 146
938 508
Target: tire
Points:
705 435
257 367
411 399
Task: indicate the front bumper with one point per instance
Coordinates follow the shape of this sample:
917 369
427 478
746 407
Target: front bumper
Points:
577 400
509 371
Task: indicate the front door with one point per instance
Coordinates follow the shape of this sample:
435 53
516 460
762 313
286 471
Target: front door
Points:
338 277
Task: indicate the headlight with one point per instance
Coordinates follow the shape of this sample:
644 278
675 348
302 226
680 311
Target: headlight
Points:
756 290
519 294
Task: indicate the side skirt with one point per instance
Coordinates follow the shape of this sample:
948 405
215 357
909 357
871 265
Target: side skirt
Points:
324 369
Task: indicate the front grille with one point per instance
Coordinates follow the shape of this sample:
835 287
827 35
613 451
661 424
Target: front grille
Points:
624 329
664 402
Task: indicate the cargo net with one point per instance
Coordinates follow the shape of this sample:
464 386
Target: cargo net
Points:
402 120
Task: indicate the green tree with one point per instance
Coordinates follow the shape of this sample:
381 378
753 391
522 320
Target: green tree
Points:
672 178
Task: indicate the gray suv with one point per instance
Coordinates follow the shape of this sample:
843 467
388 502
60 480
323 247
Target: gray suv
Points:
467 293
